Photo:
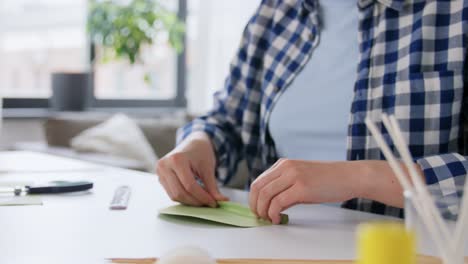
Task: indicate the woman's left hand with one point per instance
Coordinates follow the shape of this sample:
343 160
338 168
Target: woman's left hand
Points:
291 182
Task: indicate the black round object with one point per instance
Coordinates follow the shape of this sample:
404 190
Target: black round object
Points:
70 91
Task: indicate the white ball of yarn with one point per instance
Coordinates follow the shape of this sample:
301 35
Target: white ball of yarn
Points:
184 255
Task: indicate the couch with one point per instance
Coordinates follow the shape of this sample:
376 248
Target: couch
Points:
160 131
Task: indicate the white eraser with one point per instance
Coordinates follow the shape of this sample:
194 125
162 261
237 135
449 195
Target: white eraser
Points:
120 199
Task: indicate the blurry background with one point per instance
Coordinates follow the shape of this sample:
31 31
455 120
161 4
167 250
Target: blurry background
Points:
39 37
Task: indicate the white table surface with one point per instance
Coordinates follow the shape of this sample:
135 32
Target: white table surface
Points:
79 228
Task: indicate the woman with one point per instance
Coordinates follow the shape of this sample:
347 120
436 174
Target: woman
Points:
296 66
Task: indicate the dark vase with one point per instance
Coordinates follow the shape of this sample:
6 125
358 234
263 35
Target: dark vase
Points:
71 91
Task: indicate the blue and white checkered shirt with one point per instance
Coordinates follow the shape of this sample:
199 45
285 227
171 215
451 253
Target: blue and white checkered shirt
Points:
411 64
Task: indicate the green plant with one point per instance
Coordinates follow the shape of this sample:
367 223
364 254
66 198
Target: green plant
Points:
122 30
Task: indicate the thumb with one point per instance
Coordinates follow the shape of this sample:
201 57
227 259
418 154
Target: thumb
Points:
211 186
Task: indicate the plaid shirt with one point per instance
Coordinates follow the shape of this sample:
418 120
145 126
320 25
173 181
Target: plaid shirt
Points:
411 64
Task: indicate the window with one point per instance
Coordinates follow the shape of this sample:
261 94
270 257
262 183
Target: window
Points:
154 78
39 37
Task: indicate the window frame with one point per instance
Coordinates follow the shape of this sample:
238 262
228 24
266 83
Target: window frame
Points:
179 101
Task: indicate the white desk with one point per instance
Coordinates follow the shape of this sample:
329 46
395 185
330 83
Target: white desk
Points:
81 228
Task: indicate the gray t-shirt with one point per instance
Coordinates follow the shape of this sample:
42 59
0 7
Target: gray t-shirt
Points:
310 119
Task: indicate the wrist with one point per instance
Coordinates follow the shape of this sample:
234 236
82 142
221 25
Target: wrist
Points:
359 177
199 143
375 180
195 138
199 135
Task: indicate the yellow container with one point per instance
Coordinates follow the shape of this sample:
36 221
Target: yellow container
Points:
385 243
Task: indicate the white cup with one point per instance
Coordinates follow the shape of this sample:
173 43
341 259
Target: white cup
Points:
449 208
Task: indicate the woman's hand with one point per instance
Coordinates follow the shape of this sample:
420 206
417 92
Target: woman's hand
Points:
291 182
178 170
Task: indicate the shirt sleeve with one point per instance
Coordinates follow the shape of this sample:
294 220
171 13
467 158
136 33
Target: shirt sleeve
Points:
239 101
446 172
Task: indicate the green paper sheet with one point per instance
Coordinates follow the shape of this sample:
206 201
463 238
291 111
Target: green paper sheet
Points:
20 200
230 213
9 199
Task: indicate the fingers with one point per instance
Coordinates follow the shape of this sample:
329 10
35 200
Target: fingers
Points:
209 179
176 190
271 190
281 202
265 178
178 170
189 183
162 174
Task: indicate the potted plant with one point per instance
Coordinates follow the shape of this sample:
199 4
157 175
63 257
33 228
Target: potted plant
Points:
123 31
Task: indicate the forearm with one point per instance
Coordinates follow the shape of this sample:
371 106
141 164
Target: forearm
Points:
375 180
225 143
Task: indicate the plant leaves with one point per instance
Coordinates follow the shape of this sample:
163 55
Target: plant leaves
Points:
127 28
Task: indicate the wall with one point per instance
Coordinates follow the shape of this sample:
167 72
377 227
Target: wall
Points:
214 33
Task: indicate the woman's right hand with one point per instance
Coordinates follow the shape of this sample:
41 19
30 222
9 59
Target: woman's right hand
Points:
178 172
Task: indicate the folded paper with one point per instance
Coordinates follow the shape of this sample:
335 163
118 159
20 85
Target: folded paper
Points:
229 213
